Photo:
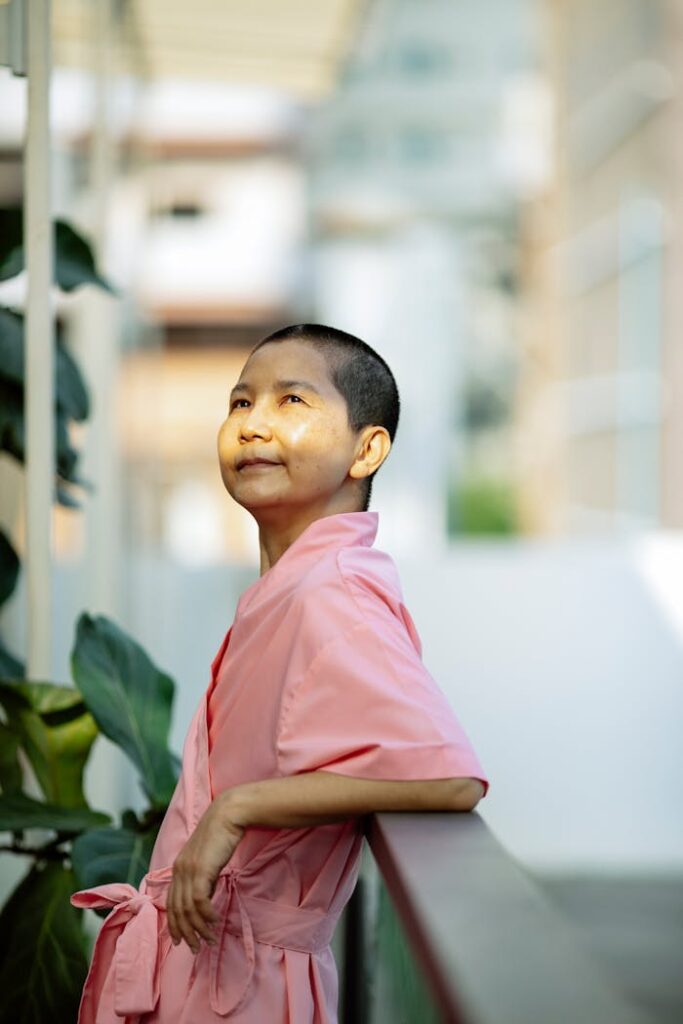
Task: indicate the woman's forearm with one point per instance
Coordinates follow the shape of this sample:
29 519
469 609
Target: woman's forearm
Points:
321 798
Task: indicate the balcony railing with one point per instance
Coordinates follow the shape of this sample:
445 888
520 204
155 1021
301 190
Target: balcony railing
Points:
459 933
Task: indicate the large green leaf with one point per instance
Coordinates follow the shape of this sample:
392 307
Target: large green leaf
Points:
65 498
71 391
9 567
11 345
72 394
10 769
12 700
67 456
11 235
19 811
130 699
43 958
67 734
74 260
12 437
112 855
56 731
74 263
13 441
10 667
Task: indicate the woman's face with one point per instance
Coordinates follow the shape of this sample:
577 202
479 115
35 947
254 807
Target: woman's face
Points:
285 408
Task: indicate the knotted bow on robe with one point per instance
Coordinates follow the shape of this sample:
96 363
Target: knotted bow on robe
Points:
134 939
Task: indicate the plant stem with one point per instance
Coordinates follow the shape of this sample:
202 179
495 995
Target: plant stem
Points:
50 851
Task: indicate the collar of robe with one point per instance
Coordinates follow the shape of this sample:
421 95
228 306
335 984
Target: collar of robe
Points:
323 535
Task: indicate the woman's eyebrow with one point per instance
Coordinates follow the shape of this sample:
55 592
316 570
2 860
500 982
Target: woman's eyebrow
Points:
305 384
280 384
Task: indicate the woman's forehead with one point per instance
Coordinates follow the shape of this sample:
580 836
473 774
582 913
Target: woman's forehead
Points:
287 360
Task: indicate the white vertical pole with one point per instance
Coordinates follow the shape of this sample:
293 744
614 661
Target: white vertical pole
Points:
39 344
101 320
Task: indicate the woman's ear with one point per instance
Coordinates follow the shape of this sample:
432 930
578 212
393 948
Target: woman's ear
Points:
374 446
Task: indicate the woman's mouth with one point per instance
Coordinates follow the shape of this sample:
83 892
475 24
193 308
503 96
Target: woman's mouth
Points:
259 464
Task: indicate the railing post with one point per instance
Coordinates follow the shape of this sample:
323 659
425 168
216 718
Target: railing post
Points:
354 1005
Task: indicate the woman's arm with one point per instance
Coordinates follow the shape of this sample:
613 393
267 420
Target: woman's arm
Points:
321 797
295 801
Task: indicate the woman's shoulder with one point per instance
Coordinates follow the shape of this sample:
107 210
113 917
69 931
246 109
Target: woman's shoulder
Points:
358 586
351 587
370 576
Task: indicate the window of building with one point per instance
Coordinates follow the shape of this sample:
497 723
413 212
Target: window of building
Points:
422 145
417 58
351 145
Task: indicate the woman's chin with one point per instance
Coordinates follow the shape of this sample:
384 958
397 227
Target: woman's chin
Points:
255 497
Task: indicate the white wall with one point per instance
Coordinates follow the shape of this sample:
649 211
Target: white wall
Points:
564 661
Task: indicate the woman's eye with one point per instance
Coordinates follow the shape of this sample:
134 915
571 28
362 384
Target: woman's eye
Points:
294 396
237 402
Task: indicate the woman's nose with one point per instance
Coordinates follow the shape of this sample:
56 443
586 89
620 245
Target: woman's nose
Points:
255 424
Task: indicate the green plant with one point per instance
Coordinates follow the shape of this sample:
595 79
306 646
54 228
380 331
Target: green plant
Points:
482 506
118 692
74 265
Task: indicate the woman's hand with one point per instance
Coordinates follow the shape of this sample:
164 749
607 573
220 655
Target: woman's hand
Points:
195 872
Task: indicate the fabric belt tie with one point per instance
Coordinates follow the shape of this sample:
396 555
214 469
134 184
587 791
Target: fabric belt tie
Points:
130 938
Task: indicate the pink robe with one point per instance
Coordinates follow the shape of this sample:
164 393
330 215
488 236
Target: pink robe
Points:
320 670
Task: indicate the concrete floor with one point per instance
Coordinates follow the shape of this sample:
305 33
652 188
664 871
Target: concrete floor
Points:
634 926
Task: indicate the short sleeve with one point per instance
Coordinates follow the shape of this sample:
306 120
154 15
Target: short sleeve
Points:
367 707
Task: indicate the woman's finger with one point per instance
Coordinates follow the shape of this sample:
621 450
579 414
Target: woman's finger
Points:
192 914
171 913
184 911
205 915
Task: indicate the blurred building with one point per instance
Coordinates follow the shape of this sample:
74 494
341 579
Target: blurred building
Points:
600 410
416 166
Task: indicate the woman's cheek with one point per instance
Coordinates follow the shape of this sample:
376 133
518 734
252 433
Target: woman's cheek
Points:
301 433
224 446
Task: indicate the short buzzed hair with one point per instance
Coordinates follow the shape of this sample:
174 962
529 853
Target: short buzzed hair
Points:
360 375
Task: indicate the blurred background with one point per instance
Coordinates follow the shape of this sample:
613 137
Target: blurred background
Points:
490 193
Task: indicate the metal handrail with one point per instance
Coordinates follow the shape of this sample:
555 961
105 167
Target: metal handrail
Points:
490 947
